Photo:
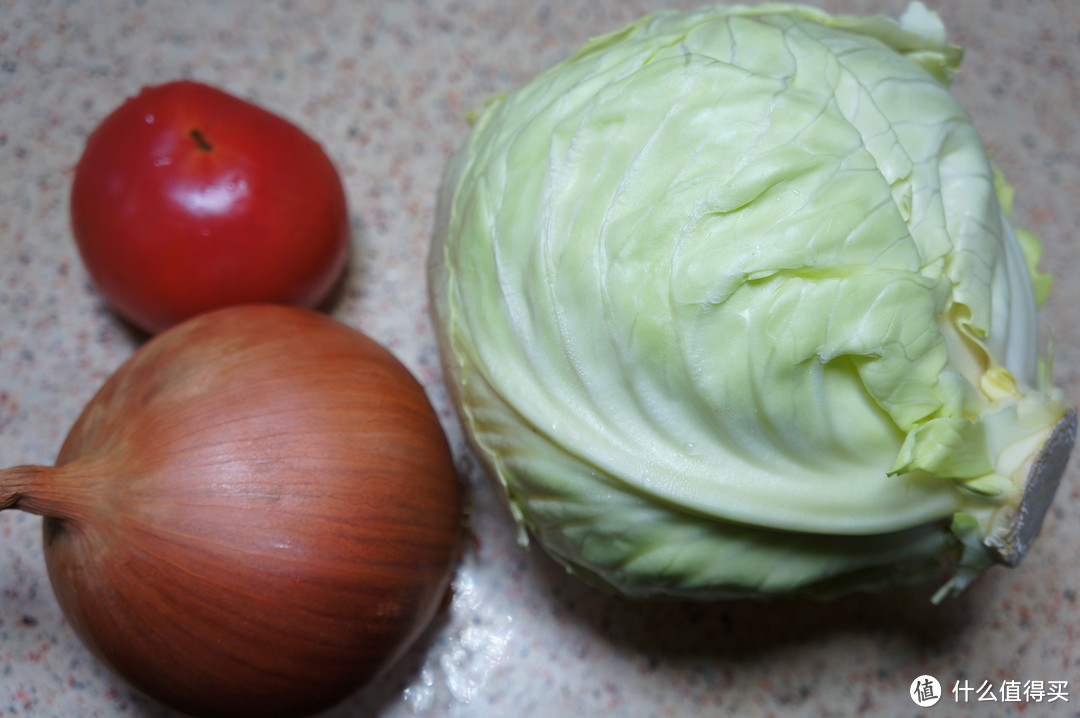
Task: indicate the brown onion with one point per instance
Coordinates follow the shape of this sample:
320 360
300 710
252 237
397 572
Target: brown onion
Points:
253 517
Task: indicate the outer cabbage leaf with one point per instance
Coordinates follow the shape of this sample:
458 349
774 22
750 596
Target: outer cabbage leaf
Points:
730 303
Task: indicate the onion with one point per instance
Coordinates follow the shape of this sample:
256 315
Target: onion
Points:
255 515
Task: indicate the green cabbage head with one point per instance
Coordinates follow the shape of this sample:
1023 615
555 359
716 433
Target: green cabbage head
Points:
731 304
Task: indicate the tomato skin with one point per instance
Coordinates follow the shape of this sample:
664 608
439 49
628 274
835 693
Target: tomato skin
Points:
187 199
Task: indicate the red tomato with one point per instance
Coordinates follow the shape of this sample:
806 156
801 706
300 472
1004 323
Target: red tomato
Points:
187 199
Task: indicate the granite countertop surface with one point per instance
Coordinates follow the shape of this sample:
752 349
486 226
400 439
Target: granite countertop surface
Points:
386 87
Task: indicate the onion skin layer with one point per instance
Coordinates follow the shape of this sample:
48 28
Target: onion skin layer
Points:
254 516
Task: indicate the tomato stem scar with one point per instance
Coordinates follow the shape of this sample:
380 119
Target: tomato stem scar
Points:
200 140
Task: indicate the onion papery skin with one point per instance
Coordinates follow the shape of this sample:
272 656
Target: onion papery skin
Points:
255 516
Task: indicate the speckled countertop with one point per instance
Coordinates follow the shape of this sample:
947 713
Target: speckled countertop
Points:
385 87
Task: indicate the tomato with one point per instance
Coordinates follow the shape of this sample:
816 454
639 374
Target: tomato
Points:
187 199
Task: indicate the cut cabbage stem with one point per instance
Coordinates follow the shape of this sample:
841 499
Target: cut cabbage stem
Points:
1043 478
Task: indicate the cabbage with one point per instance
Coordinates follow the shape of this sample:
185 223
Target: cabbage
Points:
731 304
